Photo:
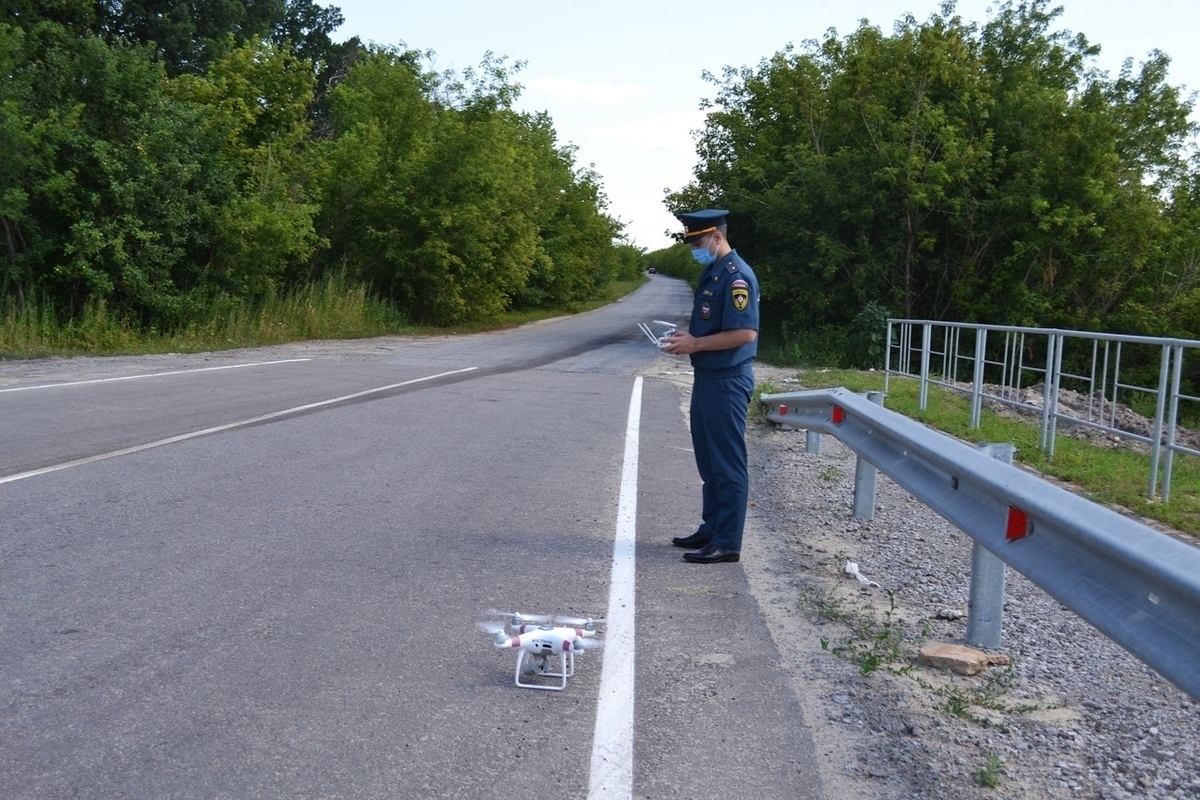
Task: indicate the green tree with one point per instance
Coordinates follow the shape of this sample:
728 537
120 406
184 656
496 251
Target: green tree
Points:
1080 161
19 141
577 237
383 121
158 161
449 201
189 35
255 104
108 185
946 171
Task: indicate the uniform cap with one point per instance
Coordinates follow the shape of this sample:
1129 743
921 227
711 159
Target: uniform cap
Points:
698 223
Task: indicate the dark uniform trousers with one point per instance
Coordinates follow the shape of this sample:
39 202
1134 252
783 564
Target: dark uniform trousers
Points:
720 398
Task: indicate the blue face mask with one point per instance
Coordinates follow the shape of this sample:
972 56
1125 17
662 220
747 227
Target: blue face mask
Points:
704 256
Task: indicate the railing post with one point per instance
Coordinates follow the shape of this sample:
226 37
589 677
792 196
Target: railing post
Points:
1053 384
926 344
1172 420
812 442
887 357
866 476
985 606
977 376
1156 444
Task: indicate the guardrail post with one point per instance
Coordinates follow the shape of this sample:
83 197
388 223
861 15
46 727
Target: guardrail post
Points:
866 476
812 442
985 606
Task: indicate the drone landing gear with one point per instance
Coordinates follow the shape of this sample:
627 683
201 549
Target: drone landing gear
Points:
543 669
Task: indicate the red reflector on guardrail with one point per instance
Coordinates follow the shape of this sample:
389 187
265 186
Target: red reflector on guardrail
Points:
839 414
1018 524
782 410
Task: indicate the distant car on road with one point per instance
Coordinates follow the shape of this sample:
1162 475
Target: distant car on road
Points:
652 270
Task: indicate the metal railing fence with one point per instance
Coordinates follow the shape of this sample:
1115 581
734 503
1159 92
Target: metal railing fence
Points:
1139 587
1030 368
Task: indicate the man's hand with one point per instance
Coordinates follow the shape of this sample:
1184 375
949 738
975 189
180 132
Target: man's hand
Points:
682 343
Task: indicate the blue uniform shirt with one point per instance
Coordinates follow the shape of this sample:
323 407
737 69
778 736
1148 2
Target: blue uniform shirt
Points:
726 299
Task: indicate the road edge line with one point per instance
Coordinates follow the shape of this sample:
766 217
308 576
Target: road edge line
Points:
612 740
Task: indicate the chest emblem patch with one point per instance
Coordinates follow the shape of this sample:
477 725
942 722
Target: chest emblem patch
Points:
705 310
741 294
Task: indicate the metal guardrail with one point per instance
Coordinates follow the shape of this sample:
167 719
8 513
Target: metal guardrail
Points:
1139 587
969 358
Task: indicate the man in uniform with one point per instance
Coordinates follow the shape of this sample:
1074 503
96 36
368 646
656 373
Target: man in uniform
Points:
722 341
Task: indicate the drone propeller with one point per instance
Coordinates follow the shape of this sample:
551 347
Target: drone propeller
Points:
518 618
587 644
500 637
587 623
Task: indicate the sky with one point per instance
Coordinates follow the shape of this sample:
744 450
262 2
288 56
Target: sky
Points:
622 80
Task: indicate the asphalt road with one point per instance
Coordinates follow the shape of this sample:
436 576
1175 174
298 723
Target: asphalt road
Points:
258 573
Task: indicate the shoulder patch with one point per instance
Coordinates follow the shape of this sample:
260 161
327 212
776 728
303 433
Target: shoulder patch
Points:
740 295
740 284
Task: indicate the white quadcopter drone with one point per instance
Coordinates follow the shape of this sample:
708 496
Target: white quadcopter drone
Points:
546 645
660 340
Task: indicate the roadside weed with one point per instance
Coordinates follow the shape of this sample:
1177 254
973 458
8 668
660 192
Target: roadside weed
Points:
873 642
989 774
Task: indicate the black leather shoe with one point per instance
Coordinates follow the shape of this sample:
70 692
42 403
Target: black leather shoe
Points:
691 542
711 555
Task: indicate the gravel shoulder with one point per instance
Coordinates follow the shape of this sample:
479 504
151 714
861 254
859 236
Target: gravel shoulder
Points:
1074 716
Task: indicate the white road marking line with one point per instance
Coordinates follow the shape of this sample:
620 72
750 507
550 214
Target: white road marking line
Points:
185 436
151 375
612 741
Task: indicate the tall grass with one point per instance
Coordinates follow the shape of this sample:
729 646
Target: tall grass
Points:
1117 476
332 308
827 346
35 330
